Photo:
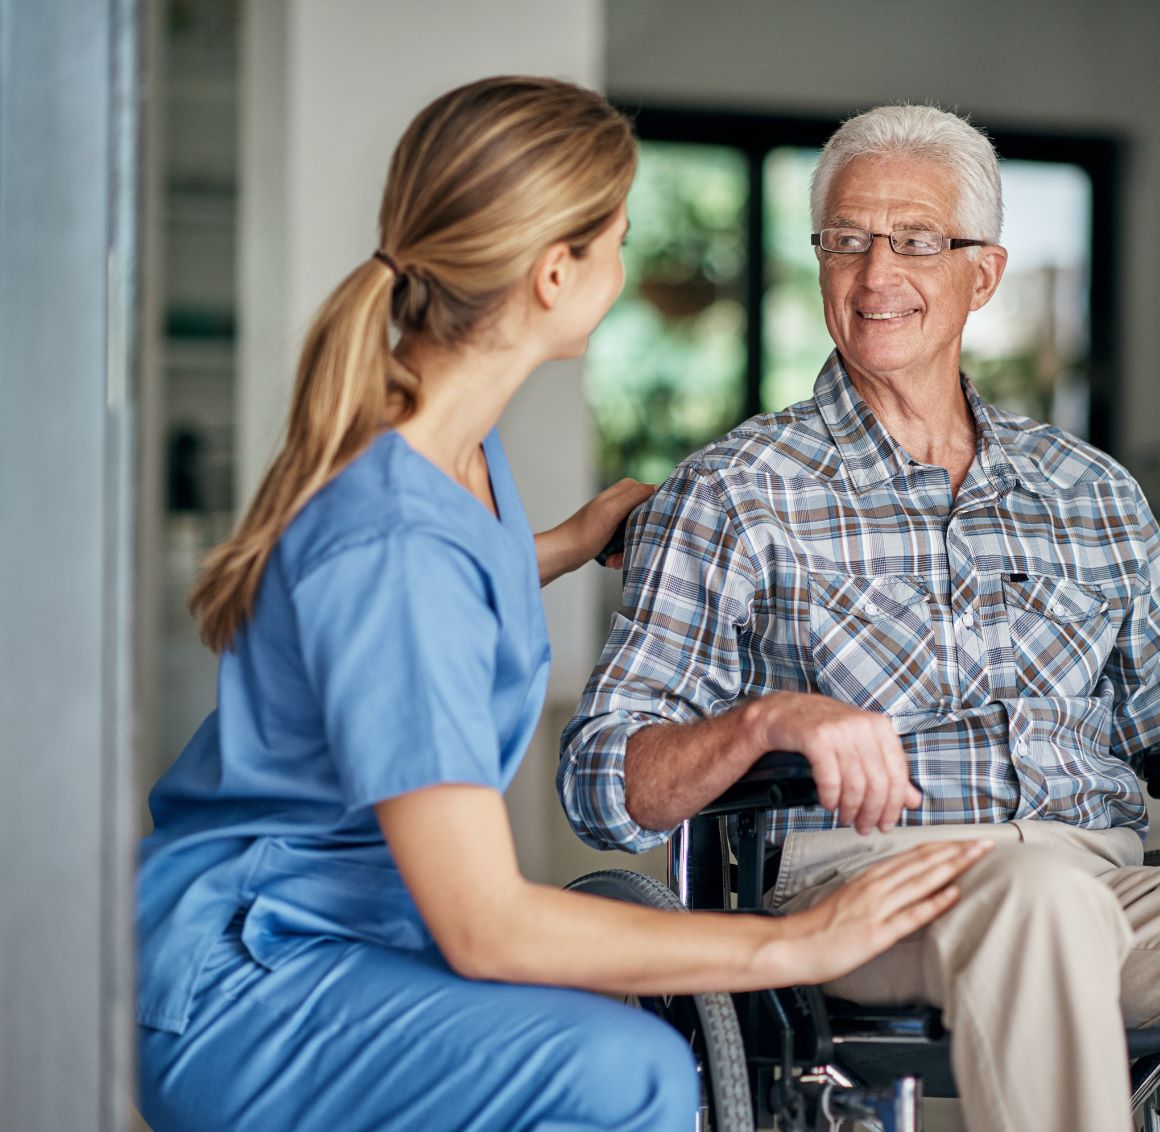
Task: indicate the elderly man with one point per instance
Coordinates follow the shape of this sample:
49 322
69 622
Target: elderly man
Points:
909 585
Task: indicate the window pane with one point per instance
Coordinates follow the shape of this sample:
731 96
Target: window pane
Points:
1029 348
666 368
795 337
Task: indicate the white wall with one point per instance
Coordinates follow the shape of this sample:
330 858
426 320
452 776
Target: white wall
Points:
327 91
1068 65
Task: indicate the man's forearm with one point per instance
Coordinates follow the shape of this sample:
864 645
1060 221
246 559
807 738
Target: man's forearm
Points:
859 767
672 770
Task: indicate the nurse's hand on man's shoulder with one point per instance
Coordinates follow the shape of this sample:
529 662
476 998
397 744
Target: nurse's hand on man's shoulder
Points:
583 535
857 761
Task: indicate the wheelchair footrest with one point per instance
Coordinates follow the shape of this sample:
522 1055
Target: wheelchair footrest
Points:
817 1106
895 1109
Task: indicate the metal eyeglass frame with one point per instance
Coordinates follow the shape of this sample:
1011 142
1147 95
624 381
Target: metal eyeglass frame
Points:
949 243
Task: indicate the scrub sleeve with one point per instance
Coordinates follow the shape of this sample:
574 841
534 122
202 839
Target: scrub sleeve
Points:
399 642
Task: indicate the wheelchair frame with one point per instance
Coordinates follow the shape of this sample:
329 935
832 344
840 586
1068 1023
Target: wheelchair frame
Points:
812 1063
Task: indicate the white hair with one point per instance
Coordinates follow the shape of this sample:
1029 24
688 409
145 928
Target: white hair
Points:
920 133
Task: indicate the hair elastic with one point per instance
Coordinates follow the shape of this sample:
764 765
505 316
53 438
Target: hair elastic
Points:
384 257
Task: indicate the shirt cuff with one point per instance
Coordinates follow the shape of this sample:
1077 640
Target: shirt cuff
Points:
591 786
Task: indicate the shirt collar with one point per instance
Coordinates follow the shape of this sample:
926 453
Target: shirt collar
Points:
868 452
872 456
1005 464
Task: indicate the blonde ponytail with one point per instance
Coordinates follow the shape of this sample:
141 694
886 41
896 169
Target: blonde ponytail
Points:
483 180
349 388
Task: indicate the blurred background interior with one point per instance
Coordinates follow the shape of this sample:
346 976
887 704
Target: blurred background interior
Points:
257 134
275 125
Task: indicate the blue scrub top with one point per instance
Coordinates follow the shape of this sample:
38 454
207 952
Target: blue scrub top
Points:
398 641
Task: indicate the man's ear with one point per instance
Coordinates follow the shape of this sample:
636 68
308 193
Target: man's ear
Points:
551 274
989 269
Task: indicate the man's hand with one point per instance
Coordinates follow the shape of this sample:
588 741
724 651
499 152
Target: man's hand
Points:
857 761
580 537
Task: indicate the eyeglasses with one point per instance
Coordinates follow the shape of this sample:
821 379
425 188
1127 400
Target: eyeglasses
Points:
906 241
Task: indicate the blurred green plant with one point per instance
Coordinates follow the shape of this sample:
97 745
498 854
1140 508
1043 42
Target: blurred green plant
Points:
666 368
795 340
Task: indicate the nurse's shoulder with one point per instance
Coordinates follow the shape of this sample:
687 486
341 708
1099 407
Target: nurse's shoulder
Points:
387 491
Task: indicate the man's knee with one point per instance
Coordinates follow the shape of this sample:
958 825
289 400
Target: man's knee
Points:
1035 877
1017 889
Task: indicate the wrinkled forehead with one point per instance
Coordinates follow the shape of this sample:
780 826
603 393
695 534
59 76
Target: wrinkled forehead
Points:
901 192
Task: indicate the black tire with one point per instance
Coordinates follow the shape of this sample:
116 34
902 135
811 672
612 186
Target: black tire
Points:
708 1021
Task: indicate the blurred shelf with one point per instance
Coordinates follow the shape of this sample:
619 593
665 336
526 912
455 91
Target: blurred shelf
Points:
211 354
209 204
197 319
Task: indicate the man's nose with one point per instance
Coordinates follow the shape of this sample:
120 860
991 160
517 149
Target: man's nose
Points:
881 261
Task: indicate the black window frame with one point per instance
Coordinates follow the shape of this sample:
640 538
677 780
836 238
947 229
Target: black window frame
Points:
755 134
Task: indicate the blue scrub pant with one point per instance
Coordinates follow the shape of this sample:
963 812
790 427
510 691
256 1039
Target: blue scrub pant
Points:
348 1037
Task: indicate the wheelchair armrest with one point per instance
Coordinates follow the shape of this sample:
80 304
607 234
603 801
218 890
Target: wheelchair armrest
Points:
778 780
1148 768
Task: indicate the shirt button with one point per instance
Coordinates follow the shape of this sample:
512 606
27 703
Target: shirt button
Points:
968 620
1057 607
871 608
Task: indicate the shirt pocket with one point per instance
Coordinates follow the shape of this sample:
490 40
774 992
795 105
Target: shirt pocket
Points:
1061 634
873 643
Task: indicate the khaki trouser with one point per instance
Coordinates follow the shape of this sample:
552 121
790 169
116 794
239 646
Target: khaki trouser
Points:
1054 944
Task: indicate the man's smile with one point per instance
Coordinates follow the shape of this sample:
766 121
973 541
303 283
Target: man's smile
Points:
882 315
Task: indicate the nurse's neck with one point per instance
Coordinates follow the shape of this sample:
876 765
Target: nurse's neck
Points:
462 393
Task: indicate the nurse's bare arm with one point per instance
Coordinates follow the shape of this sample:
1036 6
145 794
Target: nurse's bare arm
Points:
580 537
673 770
453 846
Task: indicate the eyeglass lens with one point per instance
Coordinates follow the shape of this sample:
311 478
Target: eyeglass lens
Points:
906 241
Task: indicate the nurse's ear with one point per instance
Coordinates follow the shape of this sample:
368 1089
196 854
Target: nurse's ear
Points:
551 274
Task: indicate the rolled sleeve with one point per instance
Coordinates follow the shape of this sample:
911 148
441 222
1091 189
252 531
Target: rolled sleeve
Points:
673 653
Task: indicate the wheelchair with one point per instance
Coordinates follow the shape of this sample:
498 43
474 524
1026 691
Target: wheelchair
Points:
794 1059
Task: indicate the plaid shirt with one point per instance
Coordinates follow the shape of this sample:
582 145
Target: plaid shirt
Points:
1009 632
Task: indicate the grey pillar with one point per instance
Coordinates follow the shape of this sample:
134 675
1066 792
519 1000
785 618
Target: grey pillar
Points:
68 175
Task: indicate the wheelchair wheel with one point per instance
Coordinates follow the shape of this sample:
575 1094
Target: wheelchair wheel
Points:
708 1021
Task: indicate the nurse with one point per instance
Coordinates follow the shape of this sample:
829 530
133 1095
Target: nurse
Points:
333 932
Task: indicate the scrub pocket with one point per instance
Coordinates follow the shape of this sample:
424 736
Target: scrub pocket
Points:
873 643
